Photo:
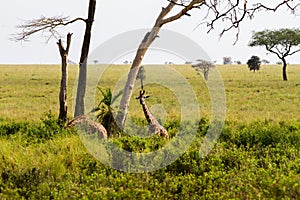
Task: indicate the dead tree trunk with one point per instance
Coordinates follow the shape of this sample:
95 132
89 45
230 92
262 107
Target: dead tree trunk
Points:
142 49
81 88
63 108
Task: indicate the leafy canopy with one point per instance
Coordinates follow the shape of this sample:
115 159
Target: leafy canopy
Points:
254 63
282 42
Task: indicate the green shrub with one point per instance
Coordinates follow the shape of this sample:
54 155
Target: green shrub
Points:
257 160
261 134
35 132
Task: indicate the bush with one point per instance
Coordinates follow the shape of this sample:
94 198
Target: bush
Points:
260 159
35 132
254 63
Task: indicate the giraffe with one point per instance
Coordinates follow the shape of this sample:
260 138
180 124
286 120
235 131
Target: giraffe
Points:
154 126
89 126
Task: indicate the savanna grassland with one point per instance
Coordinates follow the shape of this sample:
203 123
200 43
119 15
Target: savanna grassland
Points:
28 91
256 157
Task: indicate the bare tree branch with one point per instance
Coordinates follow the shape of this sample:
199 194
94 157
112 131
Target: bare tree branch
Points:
272 51
296 51
259 6
184 11
43 24
175 2
282 53
183 3
229 12
233 12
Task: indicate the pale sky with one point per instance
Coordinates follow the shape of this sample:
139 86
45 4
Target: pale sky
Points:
117 17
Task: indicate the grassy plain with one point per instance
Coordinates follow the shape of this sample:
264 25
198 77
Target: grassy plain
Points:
256 157
28 91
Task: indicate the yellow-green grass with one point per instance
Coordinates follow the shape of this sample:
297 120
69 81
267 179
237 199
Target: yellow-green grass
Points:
262 95
28 91
62 150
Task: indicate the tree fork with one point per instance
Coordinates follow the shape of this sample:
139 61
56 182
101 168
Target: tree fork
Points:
142 49
63 108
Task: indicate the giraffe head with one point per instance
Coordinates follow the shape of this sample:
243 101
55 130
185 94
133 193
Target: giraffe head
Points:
142 95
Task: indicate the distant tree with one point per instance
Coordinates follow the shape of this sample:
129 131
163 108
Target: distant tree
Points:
278 63
71 62
227 60
264 61
96 61
238 62
283 42
141 76
203 66
254 63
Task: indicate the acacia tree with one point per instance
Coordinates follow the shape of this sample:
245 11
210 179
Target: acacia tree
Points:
283 42
222 12
203 66
50 24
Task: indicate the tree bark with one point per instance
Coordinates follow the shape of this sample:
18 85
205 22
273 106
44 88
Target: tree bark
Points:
146 42
63 108
81 88
284 74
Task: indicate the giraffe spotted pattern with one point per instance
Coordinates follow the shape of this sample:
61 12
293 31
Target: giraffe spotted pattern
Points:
154 126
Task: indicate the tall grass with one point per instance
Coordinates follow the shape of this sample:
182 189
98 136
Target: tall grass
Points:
258 160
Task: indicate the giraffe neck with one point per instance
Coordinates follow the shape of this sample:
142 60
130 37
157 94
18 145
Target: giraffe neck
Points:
154 125
149 117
